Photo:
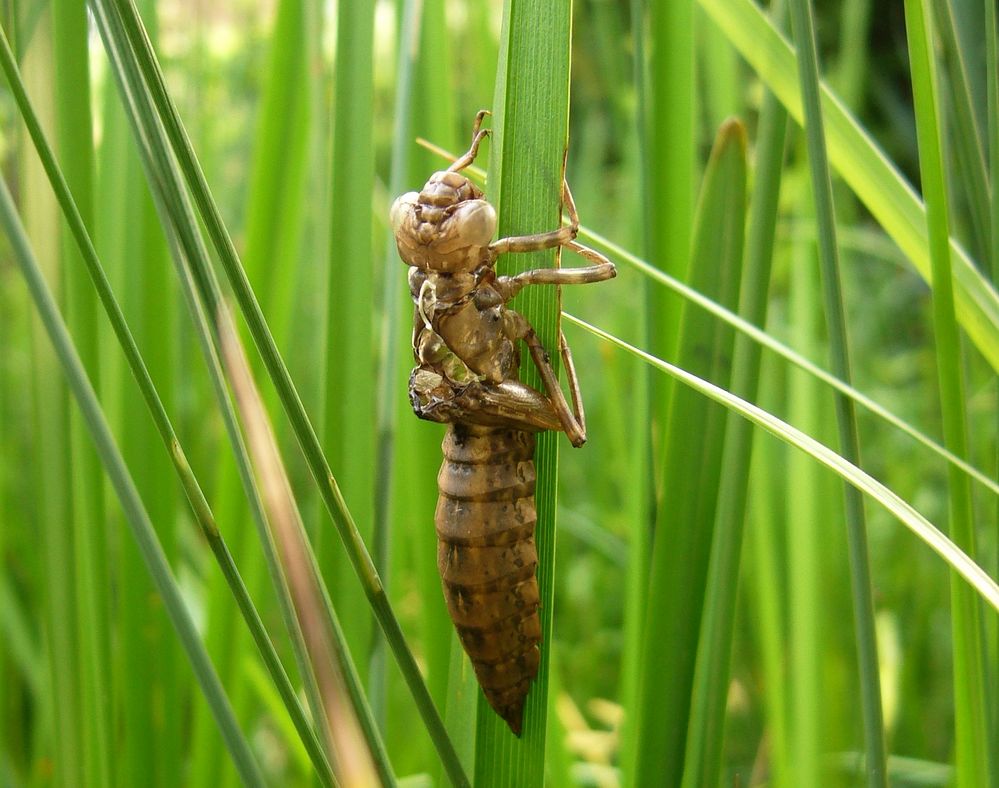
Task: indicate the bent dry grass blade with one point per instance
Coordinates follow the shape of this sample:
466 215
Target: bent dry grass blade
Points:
353 760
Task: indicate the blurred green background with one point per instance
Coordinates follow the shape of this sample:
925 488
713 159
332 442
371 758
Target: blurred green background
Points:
303 132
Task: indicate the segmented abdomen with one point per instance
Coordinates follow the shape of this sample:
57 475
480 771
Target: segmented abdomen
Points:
487 558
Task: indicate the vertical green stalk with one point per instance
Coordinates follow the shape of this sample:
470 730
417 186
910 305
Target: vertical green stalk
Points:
390 382
992 91
669 153
50 470
133 245
703 759
530 128
663 35
970 176
807 609
846 419
972 744
767 592
74 124
691 475
276 196
350 394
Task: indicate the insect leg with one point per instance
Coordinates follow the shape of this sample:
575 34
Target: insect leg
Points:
573 381
570 420
478 134
532 243
509 286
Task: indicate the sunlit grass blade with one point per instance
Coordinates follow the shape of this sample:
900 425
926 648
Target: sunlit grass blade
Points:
137 518
705 734
846 418
971 717
864 167
353 758
360 560
928 533
526 167
690 475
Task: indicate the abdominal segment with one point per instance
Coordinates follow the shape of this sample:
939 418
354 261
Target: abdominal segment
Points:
487 558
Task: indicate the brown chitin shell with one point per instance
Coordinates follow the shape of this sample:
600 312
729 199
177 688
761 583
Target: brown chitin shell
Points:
487 559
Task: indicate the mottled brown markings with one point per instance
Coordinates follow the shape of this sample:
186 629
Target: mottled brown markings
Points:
465 341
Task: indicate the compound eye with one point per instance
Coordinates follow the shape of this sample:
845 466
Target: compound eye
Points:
402 209
474 222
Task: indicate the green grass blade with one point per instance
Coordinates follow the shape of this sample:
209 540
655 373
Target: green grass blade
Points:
74 125
182 224
348 440
332 498
808 608
779 348
868 172
199 504
137 518
666 91
992 100
50 472
691 475
390 381
705 735
971 177
972 747
846 418
766 592
275 215
929 534
765 340
530 133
